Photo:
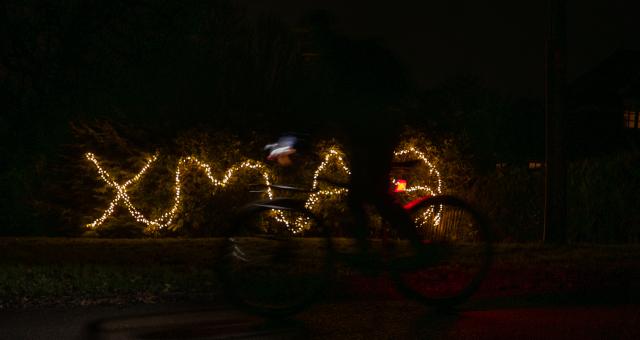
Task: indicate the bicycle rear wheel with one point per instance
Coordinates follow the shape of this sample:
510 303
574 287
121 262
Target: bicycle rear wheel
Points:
276 259
451 257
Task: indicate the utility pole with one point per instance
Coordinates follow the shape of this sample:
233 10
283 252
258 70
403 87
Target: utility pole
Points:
555 210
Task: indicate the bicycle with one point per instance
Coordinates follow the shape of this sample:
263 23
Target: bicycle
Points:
280 255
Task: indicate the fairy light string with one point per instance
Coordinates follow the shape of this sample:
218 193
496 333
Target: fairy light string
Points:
121 189
167 217
432 216
297 224
412 151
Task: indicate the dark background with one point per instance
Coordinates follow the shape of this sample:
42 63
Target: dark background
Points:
500 41
124 78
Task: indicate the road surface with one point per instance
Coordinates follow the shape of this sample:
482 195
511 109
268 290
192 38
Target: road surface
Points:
355 319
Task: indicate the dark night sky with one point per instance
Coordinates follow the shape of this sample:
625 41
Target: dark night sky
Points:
501 41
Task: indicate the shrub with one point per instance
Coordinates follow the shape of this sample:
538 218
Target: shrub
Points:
602 198
79 195
513 199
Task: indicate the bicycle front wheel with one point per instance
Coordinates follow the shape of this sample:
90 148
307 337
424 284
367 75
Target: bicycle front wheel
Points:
451 257
275 260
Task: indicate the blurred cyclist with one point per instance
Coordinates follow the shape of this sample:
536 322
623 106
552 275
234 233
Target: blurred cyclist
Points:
281 150
349 92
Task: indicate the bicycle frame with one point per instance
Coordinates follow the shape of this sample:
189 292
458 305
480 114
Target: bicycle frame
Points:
404 267
407 206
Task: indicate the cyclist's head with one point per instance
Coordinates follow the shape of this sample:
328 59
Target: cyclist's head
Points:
282 150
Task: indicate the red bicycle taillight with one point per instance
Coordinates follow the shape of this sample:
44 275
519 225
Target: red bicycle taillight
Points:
400 185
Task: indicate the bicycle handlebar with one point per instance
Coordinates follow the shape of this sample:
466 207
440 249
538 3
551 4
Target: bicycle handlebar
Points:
403 164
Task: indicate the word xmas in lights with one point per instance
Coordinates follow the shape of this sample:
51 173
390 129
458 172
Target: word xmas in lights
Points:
331 157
